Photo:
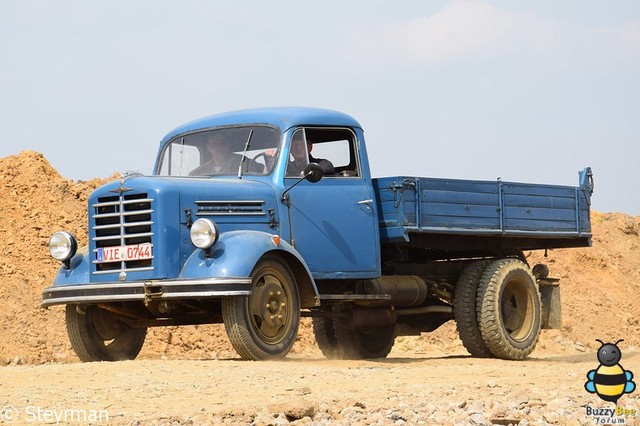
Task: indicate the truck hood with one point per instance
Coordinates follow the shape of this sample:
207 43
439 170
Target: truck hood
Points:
159 210
227 201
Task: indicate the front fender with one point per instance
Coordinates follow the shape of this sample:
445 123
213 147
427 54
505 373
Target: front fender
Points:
237 252
78 272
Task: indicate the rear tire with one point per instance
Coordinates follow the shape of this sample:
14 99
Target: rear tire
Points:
325 337
362 343
97 335
509 309
464 309
265 324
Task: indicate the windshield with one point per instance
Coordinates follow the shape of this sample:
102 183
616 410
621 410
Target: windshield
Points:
221 152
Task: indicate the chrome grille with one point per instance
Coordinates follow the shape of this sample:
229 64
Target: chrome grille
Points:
230 208
124 220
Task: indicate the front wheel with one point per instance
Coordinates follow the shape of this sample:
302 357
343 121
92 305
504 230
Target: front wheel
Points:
264 325
97 335
508 309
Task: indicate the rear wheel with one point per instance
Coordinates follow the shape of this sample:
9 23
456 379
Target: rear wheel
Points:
264 325
97 335
325 336
464 309
509 310
362 342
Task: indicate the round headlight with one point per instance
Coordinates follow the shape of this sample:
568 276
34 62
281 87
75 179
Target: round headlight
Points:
62 246
204 233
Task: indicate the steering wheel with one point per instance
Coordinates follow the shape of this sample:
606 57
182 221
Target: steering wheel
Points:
262 154
269 160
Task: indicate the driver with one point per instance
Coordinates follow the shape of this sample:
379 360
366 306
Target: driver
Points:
223 159
302 157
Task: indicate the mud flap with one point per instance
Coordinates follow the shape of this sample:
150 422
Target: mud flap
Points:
551 307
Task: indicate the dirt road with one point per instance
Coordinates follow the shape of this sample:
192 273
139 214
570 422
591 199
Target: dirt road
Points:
411 388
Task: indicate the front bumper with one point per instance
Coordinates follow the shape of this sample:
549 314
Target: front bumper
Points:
146 291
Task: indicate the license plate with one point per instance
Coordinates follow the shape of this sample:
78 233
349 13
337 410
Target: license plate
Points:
124 253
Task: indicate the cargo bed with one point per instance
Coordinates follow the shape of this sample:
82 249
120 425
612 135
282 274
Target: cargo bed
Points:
443 213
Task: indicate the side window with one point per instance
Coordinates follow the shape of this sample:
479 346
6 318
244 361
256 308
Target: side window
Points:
338 152
298 154
334 150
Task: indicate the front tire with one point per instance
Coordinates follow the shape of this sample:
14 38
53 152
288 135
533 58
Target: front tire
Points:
509 309
265 324
97 335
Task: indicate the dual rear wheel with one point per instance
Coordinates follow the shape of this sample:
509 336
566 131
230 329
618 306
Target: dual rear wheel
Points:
497 309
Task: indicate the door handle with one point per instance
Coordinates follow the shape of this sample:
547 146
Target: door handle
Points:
367 202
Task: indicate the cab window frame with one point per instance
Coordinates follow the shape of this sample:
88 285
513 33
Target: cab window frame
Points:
320 135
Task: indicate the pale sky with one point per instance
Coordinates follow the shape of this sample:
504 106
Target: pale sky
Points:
529 91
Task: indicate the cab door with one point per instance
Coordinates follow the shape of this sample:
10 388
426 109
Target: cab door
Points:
333 222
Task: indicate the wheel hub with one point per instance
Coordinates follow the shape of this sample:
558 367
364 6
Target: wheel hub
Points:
269 307
515 305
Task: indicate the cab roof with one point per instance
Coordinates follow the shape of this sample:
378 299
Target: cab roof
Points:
282 117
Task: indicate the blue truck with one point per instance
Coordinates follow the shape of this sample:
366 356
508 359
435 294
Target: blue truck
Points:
257 218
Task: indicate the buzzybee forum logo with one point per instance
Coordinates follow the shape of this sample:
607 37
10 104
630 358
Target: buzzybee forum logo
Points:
610 381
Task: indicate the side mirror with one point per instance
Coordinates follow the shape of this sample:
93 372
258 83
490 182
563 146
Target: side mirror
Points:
313 172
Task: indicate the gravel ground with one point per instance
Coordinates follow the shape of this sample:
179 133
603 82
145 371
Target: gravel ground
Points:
412 389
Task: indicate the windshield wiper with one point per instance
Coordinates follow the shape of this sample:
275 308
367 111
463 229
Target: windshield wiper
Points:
244 154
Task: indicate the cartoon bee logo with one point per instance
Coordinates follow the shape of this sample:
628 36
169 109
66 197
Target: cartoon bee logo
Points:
609 381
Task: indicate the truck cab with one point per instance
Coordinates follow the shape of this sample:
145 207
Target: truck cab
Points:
144 263
327 224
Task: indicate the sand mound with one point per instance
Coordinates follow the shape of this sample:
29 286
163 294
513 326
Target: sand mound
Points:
600 285
35 202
